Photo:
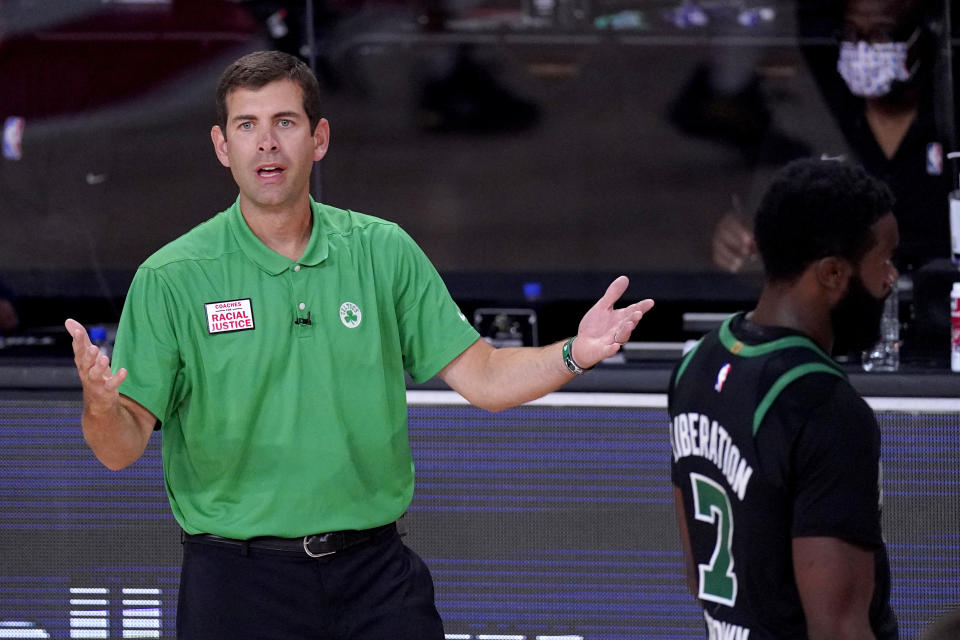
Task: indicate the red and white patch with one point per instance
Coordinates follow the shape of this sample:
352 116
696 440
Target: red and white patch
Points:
229 315
721 378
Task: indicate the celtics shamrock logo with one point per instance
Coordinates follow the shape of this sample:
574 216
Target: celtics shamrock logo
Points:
350 315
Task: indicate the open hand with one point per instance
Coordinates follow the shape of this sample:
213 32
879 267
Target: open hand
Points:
603 329
99 383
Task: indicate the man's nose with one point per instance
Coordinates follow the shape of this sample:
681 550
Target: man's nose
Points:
267 142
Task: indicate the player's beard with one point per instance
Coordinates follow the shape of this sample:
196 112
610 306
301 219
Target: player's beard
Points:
856 318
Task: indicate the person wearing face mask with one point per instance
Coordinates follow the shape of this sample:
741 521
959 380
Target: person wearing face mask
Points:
775 456
871 68
880 85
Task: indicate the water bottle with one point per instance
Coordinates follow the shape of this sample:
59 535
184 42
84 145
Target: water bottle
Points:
955 227
885 354
954 200
955 327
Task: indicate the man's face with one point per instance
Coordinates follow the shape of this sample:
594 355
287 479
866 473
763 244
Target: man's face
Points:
879 55
876 20
856 317
268 145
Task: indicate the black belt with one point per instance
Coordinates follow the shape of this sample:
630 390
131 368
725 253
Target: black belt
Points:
315 546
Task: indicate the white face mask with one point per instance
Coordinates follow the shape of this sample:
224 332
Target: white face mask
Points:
869 69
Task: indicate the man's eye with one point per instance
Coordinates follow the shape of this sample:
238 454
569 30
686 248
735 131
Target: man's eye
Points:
284 123
246 126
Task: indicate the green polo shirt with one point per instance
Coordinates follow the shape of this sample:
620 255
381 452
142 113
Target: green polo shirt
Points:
274 427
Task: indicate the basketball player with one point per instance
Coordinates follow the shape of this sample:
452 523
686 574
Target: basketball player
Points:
775 459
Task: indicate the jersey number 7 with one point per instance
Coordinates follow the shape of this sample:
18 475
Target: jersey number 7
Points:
718 582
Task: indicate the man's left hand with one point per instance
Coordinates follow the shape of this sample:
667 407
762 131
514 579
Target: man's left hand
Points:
603 329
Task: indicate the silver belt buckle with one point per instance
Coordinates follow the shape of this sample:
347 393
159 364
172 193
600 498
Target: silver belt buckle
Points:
306 548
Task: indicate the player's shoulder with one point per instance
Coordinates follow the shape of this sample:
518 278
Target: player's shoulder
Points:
805 362
832 394
809 373
693 359
826 404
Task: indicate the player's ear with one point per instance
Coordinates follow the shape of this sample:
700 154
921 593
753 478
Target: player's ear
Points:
833 274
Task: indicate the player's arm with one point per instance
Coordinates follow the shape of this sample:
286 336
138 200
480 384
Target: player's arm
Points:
116 427
496 379
836 518
835 580
689 566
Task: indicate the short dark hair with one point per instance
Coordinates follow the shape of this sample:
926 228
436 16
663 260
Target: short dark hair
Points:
260 68
814 209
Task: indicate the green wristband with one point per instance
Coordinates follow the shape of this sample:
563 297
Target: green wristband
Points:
568 360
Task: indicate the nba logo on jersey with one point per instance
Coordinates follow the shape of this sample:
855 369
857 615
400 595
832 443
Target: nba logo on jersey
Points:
934 159
12 137
721 377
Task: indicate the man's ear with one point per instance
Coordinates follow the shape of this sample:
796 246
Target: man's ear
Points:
833 274
220 145
321 139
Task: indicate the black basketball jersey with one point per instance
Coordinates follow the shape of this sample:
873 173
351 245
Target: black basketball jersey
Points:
770 442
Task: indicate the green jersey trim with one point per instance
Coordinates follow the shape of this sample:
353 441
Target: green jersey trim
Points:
737 348
783 381
686 360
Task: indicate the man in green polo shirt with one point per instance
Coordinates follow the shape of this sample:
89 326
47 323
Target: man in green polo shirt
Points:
270 343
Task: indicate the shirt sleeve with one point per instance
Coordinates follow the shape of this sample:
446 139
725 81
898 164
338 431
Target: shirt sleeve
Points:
836 459
146 343
433 330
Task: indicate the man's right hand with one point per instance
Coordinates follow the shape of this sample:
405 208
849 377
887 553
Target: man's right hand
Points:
99 384
115 427
733 245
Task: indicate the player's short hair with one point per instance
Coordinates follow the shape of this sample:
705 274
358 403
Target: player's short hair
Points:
814 209
260 68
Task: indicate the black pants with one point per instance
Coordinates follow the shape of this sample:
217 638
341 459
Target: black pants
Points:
376 591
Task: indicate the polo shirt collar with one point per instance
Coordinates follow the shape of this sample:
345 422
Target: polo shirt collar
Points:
268 259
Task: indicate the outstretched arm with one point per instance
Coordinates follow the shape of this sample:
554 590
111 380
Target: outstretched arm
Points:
496 379
835 580
115 427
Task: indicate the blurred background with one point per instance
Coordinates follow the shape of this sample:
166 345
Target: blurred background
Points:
534 148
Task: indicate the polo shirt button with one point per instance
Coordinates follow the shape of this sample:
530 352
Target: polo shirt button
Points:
302 306
296 268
